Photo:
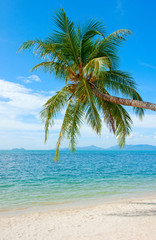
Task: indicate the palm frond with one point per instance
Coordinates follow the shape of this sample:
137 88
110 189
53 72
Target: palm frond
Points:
104 48
75 123
91 29
88 99
87 37
53 106
39 47
117 120
64 128
119 36
121 82
65 38
107 46
123 124
95 66
27 46
60 69
55 58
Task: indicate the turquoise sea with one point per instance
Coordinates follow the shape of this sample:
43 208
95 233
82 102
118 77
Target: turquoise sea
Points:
31 178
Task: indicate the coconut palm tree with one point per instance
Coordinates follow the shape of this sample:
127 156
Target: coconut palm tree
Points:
88 61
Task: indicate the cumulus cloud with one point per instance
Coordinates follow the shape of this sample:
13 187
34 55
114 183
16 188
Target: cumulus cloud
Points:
31 78
16 101
19 97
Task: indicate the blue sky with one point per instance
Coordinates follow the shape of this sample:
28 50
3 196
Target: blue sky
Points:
22 93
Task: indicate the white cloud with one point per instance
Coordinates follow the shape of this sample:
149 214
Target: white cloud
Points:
34 78
148 121
19 97
17 124
148 65
30 79
17 101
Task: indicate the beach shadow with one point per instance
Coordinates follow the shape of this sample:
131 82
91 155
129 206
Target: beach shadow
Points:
144 203
135 214
138 213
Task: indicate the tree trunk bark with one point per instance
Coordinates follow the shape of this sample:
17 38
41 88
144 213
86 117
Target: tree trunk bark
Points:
123 101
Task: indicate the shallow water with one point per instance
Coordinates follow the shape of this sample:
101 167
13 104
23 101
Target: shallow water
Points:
31 178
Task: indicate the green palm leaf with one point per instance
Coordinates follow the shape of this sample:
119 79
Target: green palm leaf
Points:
117 120
121 82
53 106
64 128
65 37
95 66
119 36
75 123
92 116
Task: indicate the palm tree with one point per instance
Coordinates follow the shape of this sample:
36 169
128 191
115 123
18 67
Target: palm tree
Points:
87 60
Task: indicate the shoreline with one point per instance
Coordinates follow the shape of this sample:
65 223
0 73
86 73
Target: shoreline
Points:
76 203
123 219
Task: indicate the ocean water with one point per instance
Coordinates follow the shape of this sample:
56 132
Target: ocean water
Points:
31 178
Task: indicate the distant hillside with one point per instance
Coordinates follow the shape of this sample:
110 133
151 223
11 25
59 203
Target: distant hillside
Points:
141 147
90 148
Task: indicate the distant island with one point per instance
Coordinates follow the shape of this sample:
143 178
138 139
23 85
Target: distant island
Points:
17 149
140 147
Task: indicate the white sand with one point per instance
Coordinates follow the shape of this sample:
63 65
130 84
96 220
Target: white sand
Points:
124 220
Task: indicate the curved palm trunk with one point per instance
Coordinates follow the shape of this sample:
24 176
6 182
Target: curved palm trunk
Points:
123 101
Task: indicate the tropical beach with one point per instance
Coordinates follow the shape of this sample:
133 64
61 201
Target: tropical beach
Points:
71 200
77 120
131 219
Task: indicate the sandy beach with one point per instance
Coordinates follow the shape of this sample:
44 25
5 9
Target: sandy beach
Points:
133 219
